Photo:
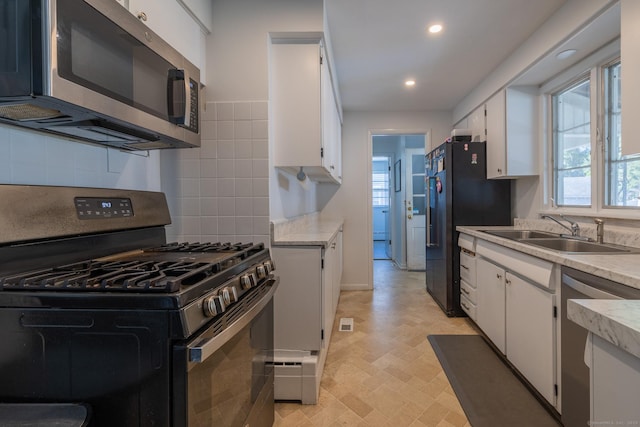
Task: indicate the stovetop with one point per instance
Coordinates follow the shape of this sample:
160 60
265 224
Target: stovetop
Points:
167 276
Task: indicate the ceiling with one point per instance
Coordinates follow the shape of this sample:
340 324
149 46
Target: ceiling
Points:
378 44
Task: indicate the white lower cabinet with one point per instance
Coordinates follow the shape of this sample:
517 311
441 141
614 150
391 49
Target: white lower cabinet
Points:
516 311
305 306
615 380
491 301
530 336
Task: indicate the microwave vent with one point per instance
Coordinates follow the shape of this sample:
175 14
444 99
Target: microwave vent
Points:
27 112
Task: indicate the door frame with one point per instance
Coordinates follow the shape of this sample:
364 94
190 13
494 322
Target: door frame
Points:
377 132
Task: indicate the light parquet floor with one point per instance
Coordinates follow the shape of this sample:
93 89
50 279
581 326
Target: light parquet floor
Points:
385 372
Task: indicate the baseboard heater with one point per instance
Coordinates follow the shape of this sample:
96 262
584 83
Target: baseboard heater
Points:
296 376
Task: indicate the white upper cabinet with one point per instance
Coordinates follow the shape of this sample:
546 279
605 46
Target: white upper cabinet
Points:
201 11
477 123
307 130
171 21
511 120
630 55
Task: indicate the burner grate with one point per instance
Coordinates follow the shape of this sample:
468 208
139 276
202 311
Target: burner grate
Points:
204 247
132 276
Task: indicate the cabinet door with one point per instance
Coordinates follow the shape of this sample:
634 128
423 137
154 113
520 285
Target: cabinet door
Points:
327 296
295 94
477 124
491 301
298 302
496 135
331 126
615 376
530 333
170 20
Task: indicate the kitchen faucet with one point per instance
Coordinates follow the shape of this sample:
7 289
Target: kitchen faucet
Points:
574 229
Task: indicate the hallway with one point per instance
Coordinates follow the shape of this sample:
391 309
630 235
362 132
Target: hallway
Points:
385 372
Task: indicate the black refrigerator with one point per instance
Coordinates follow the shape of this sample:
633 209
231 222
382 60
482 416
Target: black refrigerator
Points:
458 193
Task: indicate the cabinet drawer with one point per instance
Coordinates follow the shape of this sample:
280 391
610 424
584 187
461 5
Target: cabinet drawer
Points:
468 291
468 268
468 307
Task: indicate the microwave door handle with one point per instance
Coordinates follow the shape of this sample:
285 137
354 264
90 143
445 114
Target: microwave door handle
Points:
177 99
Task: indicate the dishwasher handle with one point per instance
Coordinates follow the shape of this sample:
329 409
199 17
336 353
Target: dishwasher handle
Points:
586 289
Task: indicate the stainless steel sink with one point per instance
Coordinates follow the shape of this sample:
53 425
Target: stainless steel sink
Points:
523 234
567 245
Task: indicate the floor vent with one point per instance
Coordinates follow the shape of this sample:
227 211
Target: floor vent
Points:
346 324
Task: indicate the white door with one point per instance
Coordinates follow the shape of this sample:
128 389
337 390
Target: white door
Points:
415 205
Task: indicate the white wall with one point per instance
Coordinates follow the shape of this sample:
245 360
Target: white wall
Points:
237 62
35 158
569 19
352 199
228 189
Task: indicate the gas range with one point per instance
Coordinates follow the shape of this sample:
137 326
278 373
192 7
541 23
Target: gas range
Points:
88 280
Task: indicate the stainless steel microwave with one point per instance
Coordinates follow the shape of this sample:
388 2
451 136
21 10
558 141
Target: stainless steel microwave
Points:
91 71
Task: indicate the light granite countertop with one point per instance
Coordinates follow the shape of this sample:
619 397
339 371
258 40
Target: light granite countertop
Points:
307 230
622 268
617 321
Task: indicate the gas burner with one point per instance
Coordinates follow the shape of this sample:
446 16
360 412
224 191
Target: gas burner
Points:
203 247
132 276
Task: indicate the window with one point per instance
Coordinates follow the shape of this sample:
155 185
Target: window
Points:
622 173
588 172
572 145
380 181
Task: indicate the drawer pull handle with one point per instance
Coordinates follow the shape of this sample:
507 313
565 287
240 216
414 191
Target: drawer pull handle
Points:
499 276
464 290
464 266
465 306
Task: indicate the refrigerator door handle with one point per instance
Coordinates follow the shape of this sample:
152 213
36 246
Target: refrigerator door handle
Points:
428 211
430 243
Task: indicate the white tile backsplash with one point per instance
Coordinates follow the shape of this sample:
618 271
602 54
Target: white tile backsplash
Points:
259 110
225 130
242 111
227 225
227 206
226 168
232 171
224 111
28 157
259 129
244 187
243 168
243 149
242 129
226 149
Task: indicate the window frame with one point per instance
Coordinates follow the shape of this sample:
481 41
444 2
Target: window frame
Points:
594 66
579 80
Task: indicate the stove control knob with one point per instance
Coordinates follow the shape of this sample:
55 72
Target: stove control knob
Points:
262 271
229 295
269 265
247 281
212 306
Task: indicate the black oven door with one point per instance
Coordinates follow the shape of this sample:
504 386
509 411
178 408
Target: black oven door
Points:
226 378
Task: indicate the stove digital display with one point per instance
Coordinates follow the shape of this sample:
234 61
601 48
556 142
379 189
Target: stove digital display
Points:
101 208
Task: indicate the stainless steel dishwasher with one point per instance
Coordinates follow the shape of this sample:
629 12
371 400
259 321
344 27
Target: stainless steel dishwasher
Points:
575 374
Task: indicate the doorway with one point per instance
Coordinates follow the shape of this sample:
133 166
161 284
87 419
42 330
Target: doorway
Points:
398 197
381 201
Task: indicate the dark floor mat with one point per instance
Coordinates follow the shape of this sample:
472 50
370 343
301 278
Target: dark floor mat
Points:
489 392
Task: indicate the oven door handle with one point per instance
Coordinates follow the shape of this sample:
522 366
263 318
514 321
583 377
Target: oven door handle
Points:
201 350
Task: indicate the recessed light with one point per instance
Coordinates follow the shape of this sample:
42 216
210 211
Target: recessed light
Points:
566 53
410 83
435 28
